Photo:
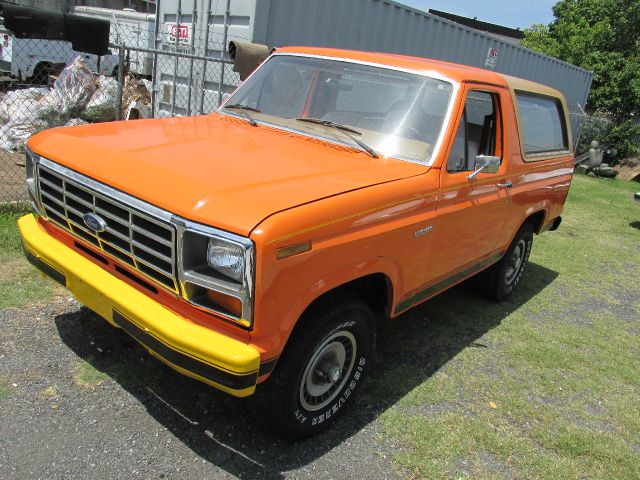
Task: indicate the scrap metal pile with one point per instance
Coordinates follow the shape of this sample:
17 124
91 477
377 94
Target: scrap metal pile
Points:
77 96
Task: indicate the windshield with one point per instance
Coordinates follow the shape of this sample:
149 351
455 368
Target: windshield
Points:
395 113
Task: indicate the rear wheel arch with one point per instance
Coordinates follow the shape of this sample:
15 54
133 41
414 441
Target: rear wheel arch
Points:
536 219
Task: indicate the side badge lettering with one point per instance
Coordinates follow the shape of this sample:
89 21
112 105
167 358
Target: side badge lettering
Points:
422 231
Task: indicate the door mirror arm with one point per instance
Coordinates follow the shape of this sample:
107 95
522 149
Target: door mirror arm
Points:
485 163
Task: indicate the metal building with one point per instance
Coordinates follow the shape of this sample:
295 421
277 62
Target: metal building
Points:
373 25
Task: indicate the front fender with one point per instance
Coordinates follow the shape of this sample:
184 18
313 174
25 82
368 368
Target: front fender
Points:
277 319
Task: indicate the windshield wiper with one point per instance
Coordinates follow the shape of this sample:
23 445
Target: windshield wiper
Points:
243 110
344 129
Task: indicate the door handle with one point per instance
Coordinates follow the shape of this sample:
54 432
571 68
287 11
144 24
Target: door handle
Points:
506 184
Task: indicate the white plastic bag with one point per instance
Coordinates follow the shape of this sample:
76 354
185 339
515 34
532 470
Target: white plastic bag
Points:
5 141
71 93
102 106
20 131
75 122
21 104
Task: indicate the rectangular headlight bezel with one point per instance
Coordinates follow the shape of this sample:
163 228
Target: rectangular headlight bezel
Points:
193 270
31 161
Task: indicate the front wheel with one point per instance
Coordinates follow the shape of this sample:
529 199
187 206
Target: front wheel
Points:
500 280
322 366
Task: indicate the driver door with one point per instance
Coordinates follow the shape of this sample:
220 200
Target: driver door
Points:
471 211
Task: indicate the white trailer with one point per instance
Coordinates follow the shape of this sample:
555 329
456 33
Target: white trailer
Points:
27 58
130 28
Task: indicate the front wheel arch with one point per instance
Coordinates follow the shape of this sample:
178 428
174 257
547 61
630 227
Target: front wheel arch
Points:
375 289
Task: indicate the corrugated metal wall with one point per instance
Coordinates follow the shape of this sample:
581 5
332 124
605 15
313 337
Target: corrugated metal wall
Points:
194 77
373 25
386 26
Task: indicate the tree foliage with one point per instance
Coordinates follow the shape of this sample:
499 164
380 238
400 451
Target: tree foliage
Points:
602 36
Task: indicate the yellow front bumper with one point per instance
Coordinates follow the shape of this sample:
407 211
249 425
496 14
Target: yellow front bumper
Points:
216 359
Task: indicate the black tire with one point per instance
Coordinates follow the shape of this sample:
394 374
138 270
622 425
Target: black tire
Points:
500 280
293 402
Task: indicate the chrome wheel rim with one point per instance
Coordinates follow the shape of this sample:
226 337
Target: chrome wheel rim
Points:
328 370
515 261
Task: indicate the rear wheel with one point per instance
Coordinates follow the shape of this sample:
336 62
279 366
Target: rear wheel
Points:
320 369
41 73
500 280
45 73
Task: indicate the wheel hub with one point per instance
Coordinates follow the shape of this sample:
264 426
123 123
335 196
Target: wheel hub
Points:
515 261
327 370
334 374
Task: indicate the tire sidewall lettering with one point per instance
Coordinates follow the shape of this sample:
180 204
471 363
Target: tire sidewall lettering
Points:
316 418
509 288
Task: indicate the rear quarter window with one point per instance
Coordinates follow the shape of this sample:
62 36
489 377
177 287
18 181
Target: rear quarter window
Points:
542 124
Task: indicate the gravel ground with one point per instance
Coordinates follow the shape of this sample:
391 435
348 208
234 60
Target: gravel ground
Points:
12 187
93 404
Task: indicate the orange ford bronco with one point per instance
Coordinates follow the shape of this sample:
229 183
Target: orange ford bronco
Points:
255 248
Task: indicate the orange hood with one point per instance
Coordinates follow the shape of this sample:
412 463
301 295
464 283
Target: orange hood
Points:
214 169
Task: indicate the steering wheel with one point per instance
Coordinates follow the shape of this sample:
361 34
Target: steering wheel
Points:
408 127
413 130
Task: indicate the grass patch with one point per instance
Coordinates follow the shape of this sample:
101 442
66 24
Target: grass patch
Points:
5 392
545 385
20 283
88 376
9 236
48 392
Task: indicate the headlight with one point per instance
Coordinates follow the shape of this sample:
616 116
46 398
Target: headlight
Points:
215 269
226 258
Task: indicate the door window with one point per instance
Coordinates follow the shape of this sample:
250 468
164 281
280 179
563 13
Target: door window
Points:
477 132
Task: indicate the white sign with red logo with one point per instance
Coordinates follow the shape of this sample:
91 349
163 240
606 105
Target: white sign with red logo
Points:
492 58
183 33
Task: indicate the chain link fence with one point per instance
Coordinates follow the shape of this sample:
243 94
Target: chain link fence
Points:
588 128
192 71
46 84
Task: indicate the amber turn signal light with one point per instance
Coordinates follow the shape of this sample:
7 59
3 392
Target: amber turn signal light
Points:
292 250
231 304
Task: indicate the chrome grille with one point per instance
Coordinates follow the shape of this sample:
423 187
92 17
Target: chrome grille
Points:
142 241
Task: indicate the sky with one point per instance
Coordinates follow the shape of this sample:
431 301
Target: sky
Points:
509 13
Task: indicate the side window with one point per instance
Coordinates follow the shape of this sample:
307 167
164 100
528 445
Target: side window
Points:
542 122
477 133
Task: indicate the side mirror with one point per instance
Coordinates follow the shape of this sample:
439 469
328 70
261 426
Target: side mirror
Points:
486 164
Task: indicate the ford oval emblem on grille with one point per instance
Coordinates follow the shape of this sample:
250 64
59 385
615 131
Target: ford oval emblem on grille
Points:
95 222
